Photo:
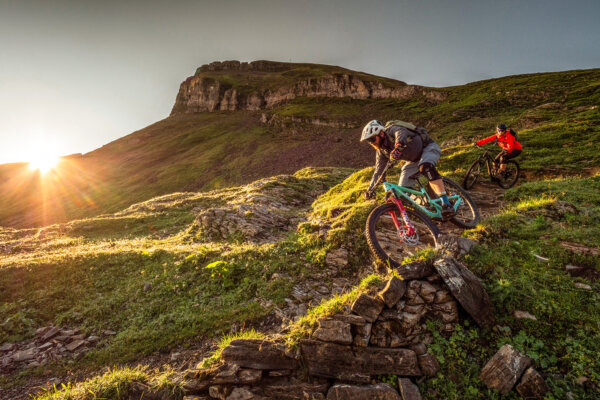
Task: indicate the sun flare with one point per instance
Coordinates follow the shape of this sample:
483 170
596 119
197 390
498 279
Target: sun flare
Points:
44 163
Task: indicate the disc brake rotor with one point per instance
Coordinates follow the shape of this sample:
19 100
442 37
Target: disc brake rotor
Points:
406 237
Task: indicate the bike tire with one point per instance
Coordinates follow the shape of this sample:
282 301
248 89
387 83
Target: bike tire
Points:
513 166
472 175
423 224
462 219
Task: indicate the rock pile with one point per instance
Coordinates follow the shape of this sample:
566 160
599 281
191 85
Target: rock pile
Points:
381 333
50 343
258 212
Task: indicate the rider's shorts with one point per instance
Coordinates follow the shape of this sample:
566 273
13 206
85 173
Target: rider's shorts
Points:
503 156
431 154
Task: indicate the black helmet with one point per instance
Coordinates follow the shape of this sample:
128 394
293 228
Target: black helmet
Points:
501 127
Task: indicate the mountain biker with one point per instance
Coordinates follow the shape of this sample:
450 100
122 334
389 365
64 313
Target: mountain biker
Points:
396 143
511 147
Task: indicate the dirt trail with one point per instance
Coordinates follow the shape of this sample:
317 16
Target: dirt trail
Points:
489 198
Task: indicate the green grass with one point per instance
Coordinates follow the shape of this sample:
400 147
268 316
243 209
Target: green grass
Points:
197 288
118 383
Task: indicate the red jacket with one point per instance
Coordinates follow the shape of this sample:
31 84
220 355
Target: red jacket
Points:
506 141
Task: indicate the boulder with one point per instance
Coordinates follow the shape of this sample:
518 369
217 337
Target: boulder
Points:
467 289
367 307
381 391
416 270
532 385
329 360
291 390
257 354
456 245
429 364
362 334
332 330
408 390
504 369
393 291
240 393
219 392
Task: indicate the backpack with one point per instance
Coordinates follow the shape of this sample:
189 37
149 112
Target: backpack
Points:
419 130
512 132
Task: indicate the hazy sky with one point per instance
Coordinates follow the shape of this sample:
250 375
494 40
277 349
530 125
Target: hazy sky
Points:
75 75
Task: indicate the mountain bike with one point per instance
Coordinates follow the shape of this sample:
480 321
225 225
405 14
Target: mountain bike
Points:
403 225
505 180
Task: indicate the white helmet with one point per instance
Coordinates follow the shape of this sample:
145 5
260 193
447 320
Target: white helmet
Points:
371 129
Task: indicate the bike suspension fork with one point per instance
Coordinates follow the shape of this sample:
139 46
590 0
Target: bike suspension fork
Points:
405 219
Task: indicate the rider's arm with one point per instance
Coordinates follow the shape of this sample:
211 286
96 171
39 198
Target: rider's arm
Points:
486 140
380 162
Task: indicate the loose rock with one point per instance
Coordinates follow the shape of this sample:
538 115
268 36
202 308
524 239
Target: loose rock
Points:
504 369
532 385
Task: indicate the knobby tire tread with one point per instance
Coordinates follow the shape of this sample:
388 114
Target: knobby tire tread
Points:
381 256
504 185
466 179
468 200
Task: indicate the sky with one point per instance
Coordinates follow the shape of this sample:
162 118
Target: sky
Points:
75 75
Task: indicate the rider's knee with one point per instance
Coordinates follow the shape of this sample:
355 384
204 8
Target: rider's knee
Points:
429 171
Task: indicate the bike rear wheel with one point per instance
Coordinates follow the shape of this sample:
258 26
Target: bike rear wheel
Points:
467 214
472 175
510 175
388 245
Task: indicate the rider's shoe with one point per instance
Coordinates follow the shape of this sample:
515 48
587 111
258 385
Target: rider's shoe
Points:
447 211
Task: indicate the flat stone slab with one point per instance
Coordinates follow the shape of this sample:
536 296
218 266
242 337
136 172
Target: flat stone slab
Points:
257 354
467 289
504 369
333 330
381 391
330 360
294 391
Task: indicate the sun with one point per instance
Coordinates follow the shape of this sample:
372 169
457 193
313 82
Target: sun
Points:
44 162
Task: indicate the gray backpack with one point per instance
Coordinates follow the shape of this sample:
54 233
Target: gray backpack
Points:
419 130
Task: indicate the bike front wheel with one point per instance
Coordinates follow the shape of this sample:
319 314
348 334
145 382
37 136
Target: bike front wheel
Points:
467 214
510 176
472 175
389 244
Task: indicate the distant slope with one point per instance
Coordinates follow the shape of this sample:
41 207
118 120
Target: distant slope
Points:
289 116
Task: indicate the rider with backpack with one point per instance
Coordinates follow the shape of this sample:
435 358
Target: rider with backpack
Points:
508 141
399 140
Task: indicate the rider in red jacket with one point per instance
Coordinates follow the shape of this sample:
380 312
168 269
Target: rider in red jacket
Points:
511 147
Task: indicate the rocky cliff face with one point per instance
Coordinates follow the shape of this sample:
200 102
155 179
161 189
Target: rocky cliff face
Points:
201 93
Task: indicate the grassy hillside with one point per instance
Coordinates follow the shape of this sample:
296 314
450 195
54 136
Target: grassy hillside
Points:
202 286
556 115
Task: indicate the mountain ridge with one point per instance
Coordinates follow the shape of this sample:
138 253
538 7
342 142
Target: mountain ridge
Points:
212 89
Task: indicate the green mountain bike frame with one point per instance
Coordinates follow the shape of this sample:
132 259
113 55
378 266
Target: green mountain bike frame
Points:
436 204
401 192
